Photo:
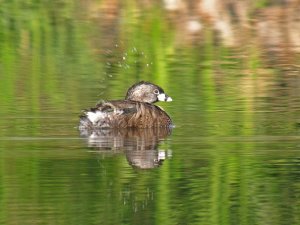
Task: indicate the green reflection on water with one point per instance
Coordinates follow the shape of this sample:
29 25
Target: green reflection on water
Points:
235 147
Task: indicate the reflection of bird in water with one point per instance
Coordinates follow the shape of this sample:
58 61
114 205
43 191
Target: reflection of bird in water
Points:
141 146
136 110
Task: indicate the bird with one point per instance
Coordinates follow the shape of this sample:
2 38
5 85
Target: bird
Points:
135 111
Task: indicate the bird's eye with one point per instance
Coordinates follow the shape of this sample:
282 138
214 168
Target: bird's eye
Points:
156 91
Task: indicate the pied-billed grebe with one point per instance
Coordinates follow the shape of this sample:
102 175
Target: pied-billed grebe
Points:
136 110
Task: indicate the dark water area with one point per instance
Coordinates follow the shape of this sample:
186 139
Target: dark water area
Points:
233 156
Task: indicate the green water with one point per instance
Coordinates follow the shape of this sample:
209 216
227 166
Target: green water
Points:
232 158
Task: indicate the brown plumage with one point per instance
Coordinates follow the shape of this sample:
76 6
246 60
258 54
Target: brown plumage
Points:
136 110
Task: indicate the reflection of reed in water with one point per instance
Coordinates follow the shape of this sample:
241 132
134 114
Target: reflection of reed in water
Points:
141 146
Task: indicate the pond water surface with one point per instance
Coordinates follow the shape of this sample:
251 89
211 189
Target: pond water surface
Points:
233 156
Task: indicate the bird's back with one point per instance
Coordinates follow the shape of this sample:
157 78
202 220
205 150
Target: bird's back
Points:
123 114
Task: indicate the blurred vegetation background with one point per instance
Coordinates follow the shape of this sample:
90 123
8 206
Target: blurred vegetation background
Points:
49 48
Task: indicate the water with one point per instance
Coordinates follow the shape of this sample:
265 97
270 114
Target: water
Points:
233 156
